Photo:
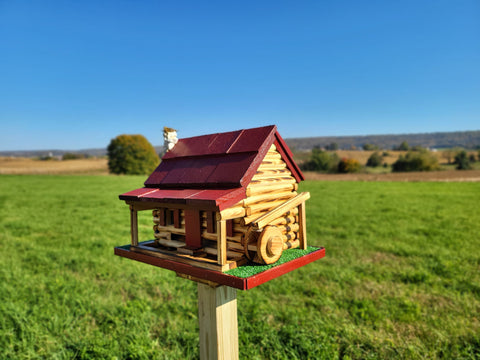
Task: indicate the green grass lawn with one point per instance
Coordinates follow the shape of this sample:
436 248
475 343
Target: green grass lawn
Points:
401 278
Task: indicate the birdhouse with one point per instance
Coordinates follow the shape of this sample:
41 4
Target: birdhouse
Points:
221 200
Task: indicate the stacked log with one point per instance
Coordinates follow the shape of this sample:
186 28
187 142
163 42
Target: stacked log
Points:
164 228
272 185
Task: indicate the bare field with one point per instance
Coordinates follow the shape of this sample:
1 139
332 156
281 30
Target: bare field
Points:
362 156
442 175
27 166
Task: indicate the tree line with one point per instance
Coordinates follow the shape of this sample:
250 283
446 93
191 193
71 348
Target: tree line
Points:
438 140
133 154
415 159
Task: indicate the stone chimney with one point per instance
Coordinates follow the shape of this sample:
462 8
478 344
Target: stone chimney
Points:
169 137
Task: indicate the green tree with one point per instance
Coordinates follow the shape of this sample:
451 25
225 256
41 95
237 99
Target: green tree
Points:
375 160
369 147
321 161
416 161
332 146
448 154
403 146
347 165
462 161
418 148
132 155
73 156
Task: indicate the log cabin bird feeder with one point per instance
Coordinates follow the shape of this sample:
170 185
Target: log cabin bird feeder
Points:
220 202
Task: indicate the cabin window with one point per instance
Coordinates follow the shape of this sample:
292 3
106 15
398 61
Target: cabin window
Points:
166 217
211 223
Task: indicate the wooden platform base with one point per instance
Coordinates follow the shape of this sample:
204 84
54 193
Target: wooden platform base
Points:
214 276
200 260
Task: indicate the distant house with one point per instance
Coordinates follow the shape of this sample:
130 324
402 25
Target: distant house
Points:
222 199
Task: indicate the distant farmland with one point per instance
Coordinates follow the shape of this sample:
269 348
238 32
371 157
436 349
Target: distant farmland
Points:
27 166
438 140
93 166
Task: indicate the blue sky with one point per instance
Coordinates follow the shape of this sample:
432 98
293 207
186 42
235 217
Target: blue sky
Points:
75 74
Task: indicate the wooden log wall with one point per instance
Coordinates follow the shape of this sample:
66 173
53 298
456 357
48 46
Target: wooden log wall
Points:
166 234
272 185
168 221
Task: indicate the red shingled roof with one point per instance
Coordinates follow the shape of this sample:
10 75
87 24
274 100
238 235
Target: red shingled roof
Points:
205 199
212 170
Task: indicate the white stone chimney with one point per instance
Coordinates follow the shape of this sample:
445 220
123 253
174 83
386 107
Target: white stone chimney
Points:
169 137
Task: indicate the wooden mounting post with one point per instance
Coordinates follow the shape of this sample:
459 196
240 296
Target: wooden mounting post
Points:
217 317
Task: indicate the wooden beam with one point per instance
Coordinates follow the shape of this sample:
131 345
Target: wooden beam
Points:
161 216
268 196
281 209
150 205
231 254
231 213
230 228
213 237
255 190
139 206
176 218
211 218
272 182
193 229
222 242
134 225
266 166
263 206
271 173
302 221
171 243
170 228
218 324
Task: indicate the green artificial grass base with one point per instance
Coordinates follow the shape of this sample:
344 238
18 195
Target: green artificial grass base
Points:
251 269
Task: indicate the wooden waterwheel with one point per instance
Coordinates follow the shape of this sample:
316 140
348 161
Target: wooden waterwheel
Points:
263 246
264 242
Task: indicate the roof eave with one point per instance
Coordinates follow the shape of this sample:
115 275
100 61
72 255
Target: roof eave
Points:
287 156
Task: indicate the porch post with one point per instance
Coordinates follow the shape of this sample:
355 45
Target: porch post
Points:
134 225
